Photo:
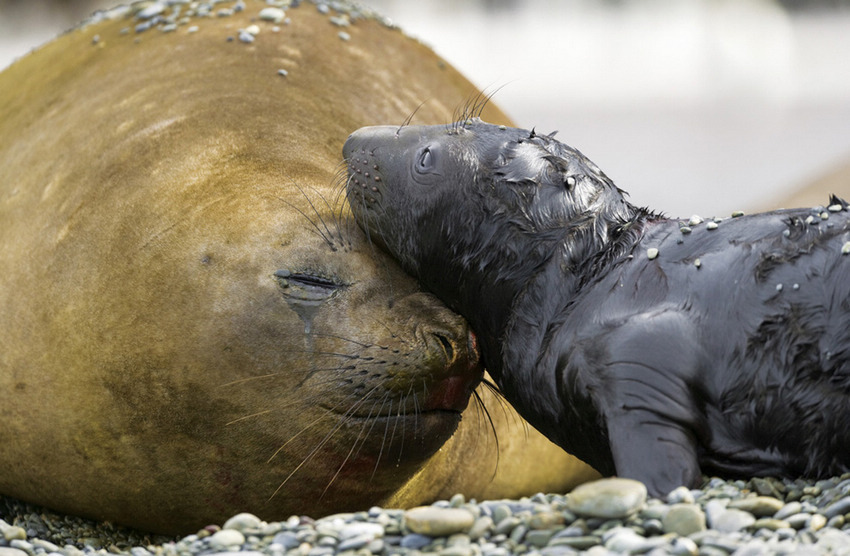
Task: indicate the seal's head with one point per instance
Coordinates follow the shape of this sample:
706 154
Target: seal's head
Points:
504 195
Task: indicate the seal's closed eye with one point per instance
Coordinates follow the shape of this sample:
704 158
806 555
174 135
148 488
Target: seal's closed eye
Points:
306 286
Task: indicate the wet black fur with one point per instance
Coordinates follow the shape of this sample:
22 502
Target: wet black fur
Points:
728 353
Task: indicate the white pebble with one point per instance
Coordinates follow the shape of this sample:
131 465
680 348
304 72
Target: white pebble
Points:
651 253
737 213
779 287
845 249
834 208
242 522
192 29
344 36
150 11
613 498
711 225
681 494
253 29
697 263
226 538
695 219
275 15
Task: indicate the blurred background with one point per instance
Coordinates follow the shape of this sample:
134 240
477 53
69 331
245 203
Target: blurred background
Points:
692 106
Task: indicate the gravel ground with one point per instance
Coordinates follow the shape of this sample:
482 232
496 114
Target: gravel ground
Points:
610 516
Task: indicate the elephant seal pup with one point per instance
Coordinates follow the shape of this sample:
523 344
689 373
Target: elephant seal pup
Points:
190 326
651 348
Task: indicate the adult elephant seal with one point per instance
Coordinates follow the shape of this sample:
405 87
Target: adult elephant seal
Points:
191 326
650 347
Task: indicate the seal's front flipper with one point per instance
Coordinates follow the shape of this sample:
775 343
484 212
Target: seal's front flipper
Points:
653 450
650 410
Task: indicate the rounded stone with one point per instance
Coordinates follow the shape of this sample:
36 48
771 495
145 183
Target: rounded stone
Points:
243 522
437 522
759 506
798 521
684 519
790 509
680 495
275 15
683 546
730 521
613 498
226 538
6 551
480 528
414 541
371 530
841 506
770 523
12 532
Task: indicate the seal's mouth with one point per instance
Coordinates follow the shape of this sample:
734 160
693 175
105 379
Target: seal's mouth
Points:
445 389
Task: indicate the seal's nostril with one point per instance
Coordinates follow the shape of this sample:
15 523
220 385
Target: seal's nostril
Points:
447 347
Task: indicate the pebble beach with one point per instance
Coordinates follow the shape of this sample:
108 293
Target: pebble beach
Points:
609 516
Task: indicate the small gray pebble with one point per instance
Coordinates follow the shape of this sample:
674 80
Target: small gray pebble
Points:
680 495
788 509
344 36
287 539
415 541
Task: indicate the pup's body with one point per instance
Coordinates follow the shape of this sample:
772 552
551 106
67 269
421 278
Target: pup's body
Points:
652 348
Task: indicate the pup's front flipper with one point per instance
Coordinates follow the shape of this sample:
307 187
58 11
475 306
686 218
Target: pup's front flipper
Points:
651 415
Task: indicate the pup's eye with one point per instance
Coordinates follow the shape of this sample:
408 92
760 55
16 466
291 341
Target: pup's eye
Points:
425 159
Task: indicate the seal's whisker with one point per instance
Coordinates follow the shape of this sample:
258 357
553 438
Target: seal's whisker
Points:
344 339
296 435
258 414
384 441
351 451
398 418
329 236
409 118
503 403
393 333
247 379
483 406
316 228
343 419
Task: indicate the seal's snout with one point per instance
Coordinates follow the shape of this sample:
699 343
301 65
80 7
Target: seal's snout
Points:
460 369
365 177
